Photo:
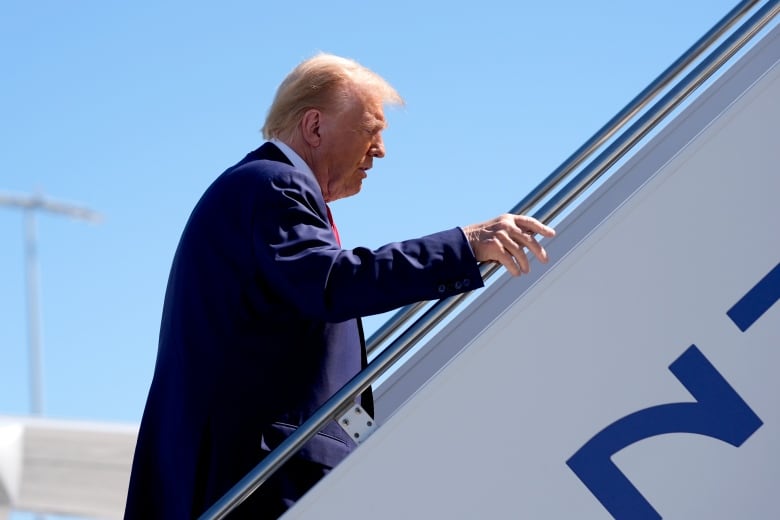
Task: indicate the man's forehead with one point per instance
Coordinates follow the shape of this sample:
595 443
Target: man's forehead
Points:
375 117
368 105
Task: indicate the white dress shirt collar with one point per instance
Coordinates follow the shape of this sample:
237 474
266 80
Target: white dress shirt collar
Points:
291 154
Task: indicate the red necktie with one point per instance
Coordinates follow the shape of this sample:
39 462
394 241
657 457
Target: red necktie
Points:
333 225
367 397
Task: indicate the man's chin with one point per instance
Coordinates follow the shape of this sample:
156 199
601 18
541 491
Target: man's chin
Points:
348 193
355 189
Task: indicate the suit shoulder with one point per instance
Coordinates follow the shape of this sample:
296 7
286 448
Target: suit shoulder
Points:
265 173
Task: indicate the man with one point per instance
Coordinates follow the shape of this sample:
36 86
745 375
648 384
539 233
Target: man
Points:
261 325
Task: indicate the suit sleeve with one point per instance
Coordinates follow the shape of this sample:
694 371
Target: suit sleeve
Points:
298 256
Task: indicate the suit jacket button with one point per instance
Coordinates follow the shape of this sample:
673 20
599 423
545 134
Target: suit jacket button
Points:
458 286
442 288
466 282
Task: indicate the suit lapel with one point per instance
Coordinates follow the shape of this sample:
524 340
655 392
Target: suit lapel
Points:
271 152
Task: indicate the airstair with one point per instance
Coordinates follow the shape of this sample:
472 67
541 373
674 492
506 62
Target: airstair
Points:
632 377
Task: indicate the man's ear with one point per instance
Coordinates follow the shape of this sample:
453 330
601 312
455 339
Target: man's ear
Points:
310 127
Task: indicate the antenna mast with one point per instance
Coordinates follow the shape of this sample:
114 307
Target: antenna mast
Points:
30 204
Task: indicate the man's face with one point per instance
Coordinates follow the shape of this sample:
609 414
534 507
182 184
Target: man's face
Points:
351 139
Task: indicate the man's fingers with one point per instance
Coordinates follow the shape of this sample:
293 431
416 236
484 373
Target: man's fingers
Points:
509 249
513 246
534 247
510 261
505 240
531 224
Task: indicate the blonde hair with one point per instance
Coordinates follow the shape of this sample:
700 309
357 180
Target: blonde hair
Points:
321 82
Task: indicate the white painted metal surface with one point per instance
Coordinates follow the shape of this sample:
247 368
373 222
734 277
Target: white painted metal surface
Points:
646 269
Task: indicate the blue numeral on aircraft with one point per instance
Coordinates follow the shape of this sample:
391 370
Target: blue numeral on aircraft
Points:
757 300
718 412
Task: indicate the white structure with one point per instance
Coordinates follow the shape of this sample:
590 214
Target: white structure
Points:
65 467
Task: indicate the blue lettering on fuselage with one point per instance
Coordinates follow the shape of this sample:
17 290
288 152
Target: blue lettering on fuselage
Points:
718 411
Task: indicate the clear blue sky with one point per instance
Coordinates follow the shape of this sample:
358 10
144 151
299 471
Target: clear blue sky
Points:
133 108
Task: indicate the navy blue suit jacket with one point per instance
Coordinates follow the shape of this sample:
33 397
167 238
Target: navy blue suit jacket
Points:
260 327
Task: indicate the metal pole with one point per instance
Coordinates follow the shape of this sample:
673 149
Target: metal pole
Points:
31 204
33 313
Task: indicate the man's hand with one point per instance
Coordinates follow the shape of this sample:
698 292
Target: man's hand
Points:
505 239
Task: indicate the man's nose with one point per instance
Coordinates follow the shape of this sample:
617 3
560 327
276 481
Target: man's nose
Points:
377 148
